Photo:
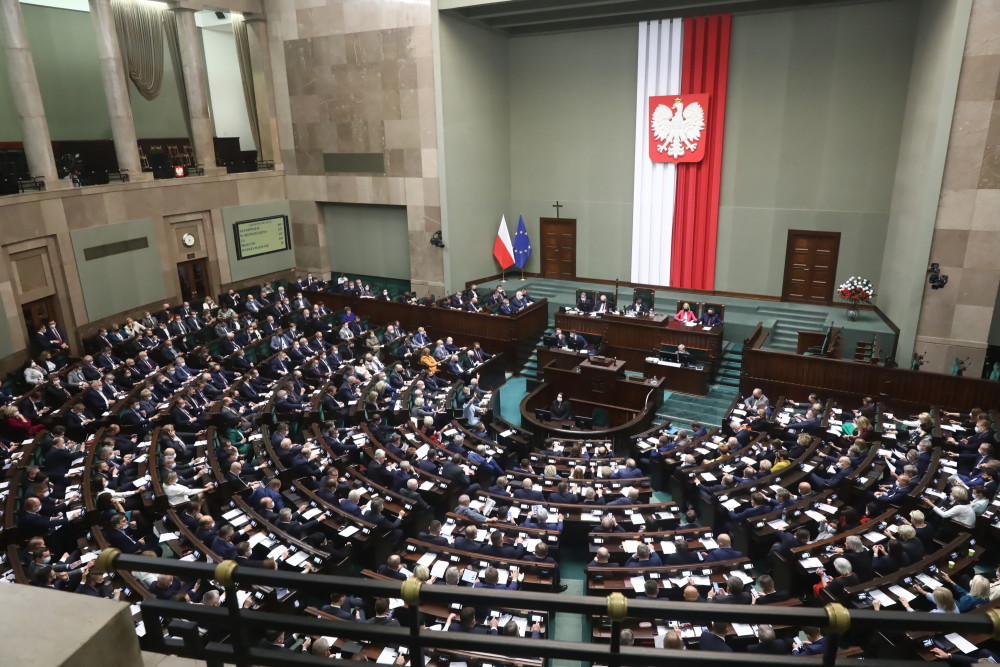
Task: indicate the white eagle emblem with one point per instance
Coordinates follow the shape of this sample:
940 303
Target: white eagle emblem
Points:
680 129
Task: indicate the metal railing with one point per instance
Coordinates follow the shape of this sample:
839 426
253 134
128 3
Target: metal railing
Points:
245 626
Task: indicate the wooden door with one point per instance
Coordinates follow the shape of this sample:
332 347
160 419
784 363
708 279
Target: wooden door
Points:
558 248
193 279
37 313
810 266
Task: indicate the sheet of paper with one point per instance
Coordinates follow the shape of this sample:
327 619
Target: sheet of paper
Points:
708 477
731 504
709 543
884 599
438 569
929 581
638 584
902 593
814 515
743 630
960 642
426 559
811 563
875 536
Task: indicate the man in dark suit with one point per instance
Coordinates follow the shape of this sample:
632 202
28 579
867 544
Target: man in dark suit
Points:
725 550
222 545
768 642
768 594
392 568
433 534
842 470
467 540
814 644
385 528
496 547
714 639
527 492
736 593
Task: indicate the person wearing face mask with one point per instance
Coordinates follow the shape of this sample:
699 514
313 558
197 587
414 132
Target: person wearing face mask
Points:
561 408
842 469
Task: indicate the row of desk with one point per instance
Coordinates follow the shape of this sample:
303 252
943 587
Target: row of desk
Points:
635 340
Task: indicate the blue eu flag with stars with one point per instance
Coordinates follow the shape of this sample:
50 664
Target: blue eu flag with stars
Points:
522 244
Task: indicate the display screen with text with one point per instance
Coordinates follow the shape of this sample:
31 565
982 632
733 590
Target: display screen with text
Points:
261 236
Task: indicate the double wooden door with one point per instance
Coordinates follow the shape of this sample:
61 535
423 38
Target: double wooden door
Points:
558 248
810 266
193 279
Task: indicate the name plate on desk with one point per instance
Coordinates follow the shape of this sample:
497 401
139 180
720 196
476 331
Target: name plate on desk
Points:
601 361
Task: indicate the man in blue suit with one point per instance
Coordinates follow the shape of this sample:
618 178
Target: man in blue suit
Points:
223 545
814 644
725 551
842 470
526 492
630 471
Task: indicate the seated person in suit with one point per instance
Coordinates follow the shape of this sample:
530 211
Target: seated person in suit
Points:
814 644
710 319
685 314
602 305
561 408
768 642
715 638
736 593
392 568
576 341
583 303
639 308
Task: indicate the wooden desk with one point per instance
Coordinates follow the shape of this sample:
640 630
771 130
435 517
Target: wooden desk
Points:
634 339
630 404
643 333
497 333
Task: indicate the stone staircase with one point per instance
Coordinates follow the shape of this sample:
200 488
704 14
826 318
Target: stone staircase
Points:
709 410
728 373
784 334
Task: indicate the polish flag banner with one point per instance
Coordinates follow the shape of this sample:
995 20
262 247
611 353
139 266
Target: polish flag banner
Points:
503 249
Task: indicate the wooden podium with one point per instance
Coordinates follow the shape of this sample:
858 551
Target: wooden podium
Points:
597 388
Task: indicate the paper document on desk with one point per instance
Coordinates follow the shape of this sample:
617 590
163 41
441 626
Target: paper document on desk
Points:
311 513
427 486
814 515
630 546
350 530
884 600
811 563
960 642
743 630
166 537
297 558
929 581
387 656
426 559
708 477
423 451
823 507
901 593
709 543
638 519
875 537
778 524
731 504
638 584
438 569
701 580
668 547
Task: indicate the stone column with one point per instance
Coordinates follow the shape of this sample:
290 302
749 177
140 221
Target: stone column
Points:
263 84
27 96
116 90
196 82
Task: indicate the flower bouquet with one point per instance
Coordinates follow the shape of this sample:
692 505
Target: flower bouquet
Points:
857 290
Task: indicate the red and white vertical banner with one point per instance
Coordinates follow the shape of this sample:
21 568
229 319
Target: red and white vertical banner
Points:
680 116
660 57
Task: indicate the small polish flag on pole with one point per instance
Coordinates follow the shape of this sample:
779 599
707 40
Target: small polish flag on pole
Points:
503 250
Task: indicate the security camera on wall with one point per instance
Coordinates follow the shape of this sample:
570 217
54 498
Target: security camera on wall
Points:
934 277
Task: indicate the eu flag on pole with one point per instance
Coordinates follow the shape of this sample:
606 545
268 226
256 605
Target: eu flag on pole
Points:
522 244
